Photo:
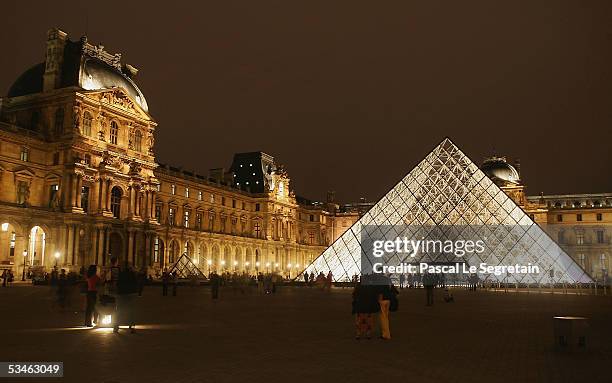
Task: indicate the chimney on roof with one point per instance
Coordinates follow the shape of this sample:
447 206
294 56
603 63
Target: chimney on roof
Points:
54 58
517 166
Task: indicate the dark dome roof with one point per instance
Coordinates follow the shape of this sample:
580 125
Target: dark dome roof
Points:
81 69
498 169
30 81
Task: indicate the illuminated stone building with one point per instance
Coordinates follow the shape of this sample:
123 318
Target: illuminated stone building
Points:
79 182
580 223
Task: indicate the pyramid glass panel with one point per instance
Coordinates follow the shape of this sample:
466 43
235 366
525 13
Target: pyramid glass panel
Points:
447 198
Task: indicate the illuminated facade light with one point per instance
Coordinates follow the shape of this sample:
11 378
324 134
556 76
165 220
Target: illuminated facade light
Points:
5 226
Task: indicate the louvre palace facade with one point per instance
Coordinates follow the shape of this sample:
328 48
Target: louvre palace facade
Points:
79 184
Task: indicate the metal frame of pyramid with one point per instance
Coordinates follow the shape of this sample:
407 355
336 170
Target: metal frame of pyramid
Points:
445 190
186 268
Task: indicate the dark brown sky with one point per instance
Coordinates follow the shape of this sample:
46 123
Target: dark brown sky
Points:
350 96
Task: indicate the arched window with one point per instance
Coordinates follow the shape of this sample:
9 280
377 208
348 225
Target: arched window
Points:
116 201
59 121
87 120
138 141
114 132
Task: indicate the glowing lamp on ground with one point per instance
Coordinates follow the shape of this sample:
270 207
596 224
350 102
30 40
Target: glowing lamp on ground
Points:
289 265
247 263
209 262
223 262
235 263
257 264
107 320
57 255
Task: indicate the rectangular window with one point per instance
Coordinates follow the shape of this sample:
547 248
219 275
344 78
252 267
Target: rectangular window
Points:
199 221
171 216
187 192
114 133
234 203
159 187
87 159
25 154
156 250
257 207
222 201
212 198
311 237
53 190
85 198
599 216
580 239
173 189
56 158
581 260
12 244
561 237
158 209
600 236
579 217
186 218
311 218
257 230
559 217
200 196
211 221
243 206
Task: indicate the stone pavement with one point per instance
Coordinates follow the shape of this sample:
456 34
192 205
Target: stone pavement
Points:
305 335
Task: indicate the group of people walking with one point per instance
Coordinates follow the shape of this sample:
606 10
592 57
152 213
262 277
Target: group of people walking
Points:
373 296
121 286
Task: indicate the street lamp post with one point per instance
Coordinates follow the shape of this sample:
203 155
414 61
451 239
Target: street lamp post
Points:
209 262
25 254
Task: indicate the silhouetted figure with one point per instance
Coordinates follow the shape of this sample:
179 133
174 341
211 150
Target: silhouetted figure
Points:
127 288
429 281
215 282
92 295
165 281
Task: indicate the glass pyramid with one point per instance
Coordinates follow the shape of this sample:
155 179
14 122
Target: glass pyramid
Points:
185 268
447 196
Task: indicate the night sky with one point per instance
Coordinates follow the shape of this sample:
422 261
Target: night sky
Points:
350 95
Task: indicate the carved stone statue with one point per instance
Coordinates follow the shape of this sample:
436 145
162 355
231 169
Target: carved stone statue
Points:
102 124
76 116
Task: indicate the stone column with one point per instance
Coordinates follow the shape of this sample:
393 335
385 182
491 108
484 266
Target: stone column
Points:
77 239
102 195
73 188
70 241
148 257
100 249
108 195
130 247
79 194
106 246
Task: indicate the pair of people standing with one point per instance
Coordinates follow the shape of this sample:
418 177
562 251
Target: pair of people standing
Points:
370 298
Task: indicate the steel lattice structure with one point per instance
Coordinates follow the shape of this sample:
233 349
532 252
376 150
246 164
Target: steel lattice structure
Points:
447 195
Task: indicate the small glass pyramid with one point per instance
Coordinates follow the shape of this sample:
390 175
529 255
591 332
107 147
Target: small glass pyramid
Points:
185 268
447 195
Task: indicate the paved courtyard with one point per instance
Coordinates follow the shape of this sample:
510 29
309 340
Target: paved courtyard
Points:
305 335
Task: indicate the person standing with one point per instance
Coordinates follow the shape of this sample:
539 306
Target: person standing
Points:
62 287
306 277
165 280
4 277
384 300
214 285
92 295
428 283
365 306
127 288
